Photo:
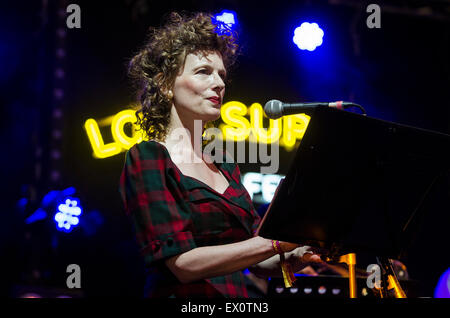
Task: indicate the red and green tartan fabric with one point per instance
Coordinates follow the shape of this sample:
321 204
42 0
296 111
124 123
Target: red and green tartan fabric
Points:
173 213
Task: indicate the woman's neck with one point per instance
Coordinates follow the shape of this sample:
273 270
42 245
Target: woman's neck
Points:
185 135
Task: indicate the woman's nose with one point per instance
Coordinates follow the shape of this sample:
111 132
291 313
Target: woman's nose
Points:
219 84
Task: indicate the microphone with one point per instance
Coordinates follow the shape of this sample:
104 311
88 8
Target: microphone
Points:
275 109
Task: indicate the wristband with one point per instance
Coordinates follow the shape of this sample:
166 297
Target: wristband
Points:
276 247
288 274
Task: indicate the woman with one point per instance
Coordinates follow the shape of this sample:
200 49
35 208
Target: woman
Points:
193 218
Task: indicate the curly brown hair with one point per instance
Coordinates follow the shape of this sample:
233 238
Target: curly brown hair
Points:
154 68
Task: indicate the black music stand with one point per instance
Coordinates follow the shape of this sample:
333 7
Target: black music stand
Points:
357 184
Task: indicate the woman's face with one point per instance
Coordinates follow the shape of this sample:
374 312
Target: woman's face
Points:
198 91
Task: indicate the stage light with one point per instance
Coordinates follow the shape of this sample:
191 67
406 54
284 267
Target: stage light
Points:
279 289
22 203
59 73
336 291
293 290
67 214
443 287
226 17
55 175
226 22
60 53
322 290
54 195
55 154
57 113
30 295
364 292
308 36
38 215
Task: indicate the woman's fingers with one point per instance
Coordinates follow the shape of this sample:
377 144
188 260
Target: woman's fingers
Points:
304 252
310 257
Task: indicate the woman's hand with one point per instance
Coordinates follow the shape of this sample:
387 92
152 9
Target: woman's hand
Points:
298 257
287 247
301 257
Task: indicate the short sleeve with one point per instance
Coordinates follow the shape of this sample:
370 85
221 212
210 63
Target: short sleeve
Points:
153 200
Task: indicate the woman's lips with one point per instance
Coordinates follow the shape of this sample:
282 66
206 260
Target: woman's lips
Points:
214 100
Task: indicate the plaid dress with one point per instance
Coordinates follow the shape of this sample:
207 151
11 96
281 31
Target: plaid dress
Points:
173 213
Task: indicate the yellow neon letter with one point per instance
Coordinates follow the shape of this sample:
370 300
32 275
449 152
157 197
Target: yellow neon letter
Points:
264 135
294 127
117 124
237 127
100 149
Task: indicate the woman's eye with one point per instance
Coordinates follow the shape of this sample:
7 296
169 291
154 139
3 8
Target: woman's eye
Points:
203 71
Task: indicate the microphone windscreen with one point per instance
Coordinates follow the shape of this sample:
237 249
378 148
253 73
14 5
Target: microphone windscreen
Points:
273 109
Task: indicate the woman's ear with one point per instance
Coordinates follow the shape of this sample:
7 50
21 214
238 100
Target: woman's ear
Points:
163 86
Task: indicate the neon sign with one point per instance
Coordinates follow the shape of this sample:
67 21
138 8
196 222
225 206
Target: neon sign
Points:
121 142
236 126
263 184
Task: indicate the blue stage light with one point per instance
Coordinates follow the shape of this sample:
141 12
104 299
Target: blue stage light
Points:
443 287
55 195
67 214
226 22
38 215
308 36
22 203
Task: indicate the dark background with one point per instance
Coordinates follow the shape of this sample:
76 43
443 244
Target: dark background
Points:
399 73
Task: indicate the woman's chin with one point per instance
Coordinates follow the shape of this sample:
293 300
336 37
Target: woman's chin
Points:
212 115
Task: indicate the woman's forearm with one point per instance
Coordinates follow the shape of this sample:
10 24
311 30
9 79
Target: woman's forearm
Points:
211 261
